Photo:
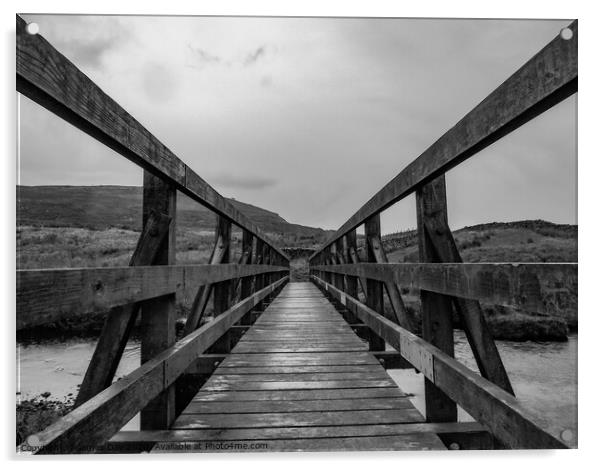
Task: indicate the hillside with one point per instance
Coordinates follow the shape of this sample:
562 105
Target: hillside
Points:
104 207
519 241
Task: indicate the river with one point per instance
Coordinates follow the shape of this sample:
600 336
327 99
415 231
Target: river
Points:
543 374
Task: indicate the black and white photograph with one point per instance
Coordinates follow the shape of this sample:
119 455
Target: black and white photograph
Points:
283 234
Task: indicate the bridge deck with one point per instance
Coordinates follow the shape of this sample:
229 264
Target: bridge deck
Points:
299 380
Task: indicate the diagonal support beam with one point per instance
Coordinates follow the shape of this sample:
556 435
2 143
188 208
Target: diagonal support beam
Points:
477 332
355 259
120 320
401 313
203 294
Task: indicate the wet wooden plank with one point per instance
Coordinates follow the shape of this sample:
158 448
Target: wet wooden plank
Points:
297 419
308 405
287 378
340 431
296 385
406 442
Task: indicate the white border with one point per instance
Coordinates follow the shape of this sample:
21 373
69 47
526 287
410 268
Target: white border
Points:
589 206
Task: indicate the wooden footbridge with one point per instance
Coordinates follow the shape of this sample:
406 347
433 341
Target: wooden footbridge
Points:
286 366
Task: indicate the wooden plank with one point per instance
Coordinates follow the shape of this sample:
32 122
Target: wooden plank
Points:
516 285
102 416
158 316
315 405
120 321
500 412
47 295
284 359
546 79
47 77
298 395
408 442
307 369
341 431
375 373
296 419
296 385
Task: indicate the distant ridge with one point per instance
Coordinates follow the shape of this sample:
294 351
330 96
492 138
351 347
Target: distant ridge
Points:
102 207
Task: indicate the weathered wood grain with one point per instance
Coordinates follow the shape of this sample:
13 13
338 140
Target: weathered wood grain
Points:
497 410
517 285
97 419
48 295
158 315
374 288
437 309
120 321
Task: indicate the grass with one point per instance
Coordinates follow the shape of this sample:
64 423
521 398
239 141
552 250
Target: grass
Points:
33 415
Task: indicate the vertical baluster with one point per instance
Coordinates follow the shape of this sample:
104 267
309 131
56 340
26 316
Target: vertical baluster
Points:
374 288
158 316
246 283
221 290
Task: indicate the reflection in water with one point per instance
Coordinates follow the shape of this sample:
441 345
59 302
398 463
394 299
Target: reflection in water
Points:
543 374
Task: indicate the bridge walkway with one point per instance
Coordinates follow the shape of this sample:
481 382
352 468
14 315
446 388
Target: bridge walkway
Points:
299 380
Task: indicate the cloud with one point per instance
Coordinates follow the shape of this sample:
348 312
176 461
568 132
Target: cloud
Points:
243 181
86 40
254 56
203 57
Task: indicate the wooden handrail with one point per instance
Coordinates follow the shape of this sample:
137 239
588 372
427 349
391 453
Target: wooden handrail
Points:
47 295
514 285
47 77
545 80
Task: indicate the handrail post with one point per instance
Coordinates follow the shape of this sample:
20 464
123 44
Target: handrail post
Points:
260 278
222 290
374 288
338 278
350 281
246 283
437 311
158 316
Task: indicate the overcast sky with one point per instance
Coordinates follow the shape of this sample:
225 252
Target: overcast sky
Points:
310 117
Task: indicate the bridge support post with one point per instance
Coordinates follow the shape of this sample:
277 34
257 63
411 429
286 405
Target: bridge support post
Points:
374 288
222 290
246 283
158 318
336 250
350 245
437 310
259 279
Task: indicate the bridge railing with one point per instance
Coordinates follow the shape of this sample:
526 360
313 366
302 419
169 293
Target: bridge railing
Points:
148 287
445 284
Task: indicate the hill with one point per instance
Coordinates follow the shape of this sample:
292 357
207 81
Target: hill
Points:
519 241
104 207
